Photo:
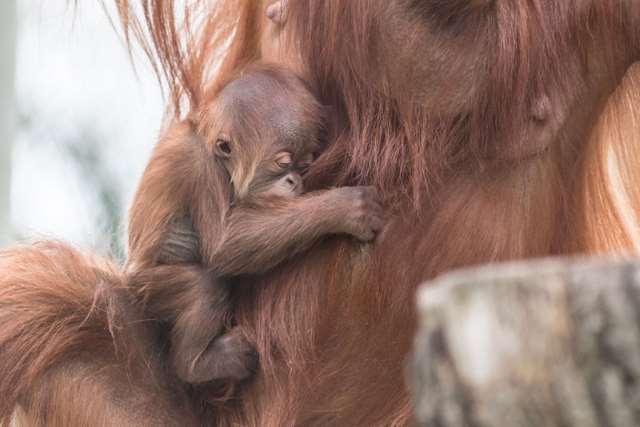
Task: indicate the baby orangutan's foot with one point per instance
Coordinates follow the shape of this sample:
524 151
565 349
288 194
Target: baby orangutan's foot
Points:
232 357
228 357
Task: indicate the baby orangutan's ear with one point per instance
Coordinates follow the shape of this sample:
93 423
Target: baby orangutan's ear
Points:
277 12
222 147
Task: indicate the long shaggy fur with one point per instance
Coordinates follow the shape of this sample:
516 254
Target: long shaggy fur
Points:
72 351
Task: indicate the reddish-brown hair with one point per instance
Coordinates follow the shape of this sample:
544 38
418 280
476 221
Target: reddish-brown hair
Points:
332 328
73 350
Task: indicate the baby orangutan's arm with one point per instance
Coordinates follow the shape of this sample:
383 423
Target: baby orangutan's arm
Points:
258 236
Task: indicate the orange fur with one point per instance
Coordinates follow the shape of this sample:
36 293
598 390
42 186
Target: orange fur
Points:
72 351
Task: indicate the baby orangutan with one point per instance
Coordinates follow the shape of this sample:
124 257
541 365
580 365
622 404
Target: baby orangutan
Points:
225 198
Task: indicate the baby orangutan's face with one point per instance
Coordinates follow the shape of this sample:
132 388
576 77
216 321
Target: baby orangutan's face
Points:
268 134
278 172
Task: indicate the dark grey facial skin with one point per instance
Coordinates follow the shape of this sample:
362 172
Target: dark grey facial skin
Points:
289 185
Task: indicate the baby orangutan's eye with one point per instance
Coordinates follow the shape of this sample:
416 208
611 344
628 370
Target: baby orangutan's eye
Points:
303 168
284 160
305 162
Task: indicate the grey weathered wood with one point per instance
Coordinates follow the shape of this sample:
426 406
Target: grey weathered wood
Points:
547 343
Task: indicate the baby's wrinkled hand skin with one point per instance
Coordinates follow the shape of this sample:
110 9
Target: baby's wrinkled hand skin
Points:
363 212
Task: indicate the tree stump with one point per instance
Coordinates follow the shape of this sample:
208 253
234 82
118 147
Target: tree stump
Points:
546 343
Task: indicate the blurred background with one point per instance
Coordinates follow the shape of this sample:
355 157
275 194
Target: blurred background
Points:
77 124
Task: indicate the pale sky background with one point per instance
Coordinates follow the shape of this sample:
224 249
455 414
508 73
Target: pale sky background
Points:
74 81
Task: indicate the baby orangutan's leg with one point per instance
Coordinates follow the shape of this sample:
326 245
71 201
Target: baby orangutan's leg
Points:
181 290
199 352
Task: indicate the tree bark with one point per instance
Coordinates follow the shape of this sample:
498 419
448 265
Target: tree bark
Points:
547 343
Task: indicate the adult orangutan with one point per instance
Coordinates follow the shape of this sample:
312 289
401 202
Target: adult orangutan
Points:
494 129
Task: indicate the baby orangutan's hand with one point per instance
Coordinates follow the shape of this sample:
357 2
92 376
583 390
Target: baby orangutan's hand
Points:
362 216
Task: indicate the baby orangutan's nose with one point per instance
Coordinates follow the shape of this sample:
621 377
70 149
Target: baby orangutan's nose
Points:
294 182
